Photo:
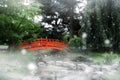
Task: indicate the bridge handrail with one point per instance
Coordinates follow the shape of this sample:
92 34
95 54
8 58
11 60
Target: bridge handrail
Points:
44 43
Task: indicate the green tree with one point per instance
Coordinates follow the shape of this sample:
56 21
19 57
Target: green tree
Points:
62 16
101 23
17 22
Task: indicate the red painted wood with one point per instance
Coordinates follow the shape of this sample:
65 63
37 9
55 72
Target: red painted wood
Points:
44 43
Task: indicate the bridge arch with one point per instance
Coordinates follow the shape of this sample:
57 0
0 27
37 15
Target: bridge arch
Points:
44 43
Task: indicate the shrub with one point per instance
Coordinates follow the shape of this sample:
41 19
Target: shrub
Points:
75 42
66 37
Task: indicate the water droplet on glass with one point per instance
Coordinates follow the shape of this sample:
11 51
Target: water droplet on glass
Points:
32 66
23 51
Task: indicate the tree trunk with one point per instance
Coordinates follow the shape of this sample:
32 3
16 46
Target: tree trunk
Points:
71 23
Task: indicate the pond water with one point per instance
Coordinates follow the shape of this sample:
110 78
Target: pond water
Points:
56 68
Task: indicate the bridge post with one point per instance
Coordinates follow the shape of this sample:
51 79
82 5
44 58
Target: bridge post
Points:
46 42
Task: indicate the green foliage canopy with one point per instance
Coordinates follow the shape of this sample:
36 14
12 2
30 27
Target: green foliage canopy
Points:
101 23
62 16
17 22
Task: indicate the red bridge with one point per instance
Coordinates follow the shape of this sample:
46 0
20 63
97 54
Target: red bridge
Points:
44 43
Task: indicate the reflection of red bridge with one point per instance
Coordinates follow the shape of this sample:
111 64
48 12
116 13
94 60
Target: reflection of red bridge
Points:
44 43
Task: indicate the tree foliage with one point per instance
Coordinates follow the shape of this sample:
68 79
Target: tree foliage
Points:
101 23
12 34
17 22
62 16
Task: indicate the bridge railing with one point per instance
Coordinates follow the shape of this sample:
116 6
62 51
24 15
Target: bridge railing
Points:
44 43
